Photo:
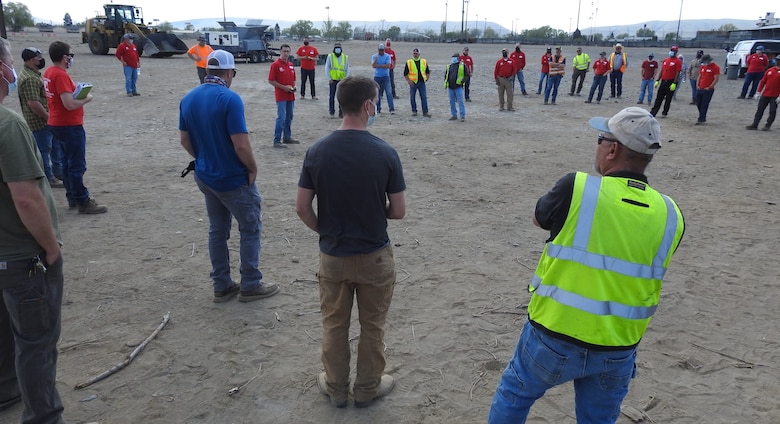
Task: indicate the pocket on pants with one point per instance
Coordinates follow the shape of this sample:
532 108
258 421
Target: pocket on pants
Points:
619 372
540 359
31 307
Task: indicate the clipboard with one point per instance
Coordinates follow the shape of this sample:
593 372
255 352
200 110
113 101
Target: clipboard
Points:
82 89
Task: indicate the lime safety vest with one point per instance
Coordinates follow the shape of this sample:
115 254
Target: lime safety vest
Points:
338 71
459 79
581 61
413 70
599 281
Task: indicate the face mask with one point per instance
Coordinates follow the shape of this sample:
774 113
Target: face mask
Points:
337 50
517 49
305 43
454 60
12 86
504 54
41 64
698 55
70 62
671 53
372 118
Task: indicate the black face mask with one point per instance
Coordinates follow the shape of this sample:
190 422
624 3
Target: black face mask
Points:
305 43
517 49
42 63
504 54
698 55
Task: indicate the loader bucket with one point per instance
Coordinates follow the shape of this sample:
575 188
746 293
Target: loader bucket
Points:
162 44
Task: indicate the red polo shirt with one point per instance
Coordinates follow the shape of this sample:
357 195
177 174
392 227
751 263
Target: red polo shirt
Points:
707 74
283 73
671 67
601 66
770 83
504 68
303 51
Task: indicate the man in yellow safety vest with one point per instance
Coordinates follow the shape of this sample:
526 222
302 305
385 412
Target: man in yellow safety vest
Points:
337 68
599 278
416 73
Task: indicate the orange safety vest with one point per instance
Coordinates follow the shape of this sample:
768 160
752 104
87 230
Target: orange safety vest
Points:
612 60
561 71
413 70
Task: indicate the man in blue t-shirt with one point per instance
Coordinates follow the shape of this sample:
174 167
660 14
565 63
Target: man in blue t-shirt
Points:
358 181
382 64
213 131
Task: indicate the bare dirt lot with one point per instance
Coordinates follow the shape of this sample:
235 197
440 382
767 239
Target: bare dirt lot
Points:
465 254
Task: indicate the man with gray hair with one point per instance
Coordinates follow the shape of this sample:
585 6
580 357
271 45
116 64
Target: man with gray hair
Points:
616 233
31 279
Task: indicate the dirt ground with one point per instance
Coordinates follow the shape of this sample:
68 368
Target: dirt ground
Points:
465 254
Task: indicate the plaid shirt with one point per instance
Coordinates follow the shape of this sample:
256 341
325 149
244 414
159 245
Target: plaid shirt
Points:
31 88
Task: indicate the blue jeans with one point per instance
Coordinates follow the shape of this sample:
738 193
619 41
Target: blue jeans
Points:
599 81
520 79
30 323
284 117
131 76
51 152
384 87
541 362
646 87
413 89
73 140
751 80
553 81
456 96
703 98
694 89
542 76
243 203
616 83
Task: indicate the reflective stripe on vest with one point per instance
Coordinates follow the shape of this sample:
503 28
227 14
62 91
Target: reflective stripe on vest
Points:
598 298
338 71
413 70
459 79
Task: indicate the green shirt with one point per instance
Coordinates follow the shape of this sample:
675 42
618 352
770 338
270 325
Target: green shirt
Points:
20 160
581 61
31 88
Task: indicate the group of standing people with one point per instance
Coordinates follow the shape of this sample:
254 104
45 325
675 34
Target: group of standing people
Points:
356 257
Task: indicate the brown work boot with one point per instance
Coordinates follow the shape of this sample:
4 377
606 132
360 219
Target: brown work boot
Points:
322 384
386 386
261 292
92 207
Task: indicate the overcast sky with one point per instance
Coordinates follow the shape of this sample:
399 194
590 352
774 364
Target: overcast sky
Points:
512 14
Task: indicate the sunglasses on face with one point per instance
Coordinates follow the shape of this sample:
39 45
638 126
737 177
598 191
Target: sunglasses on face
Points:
602 137
70 54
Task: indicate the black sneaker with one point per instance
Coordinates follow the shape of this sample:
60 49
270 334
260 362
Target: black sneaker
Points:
227 294
279 145
290 141
263 291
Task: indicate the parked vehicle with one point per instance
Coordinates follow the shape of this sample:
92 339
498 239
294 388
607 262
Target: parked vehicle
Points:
249 42
736 59
106 31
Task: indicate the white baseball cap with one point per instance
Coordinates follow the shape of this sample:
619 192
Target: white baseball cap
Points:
224 59
635 127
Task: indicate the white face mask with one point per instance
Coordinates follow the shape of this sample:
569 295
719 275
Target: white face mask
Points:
671 53
12 85
372 118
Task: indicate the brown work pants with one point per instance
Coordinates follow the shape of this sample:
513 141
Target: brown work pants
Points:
369 278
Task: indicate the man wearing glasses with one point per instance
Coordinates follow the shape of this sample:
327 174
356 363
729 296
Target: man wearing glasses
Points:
225 171
66 122
282 76
599 279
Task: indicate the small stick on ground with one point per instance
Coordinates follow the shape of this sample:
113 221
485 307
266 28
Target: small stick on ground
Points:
129 358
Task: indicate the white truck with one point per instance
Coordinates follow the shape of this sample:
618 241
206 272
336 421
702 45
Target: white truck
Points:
736 59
